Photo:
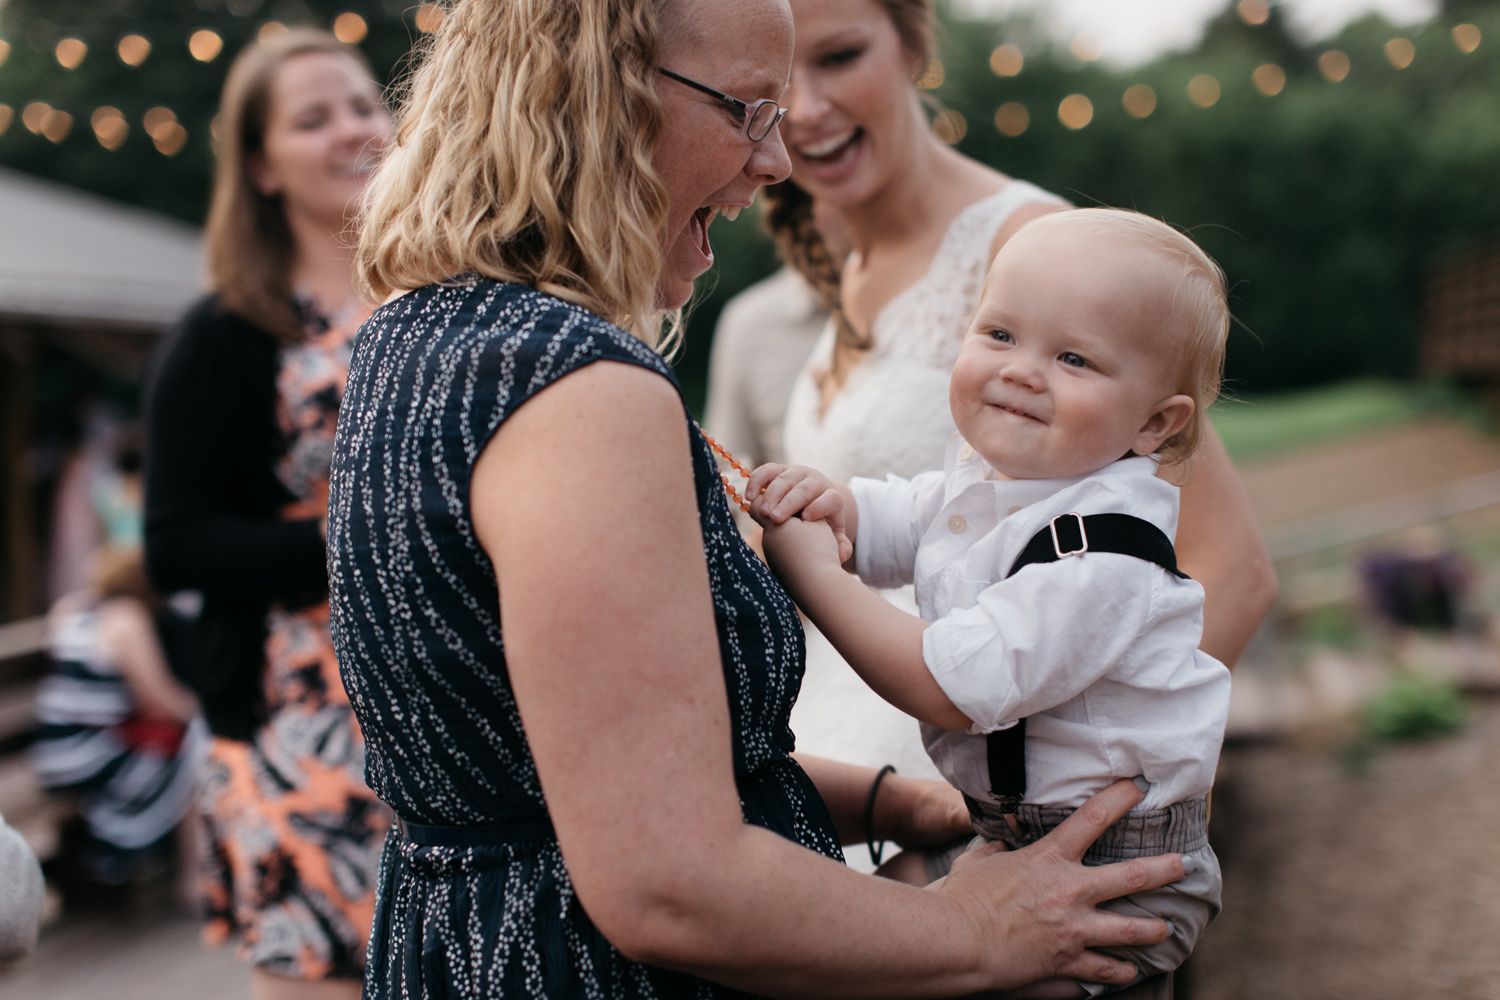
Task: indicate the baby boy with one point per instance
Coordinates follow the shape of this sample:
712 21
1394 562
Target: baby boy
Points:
1057 648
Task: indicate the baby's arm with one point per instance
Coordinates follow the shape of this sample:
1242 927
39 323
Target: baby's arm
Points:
881 642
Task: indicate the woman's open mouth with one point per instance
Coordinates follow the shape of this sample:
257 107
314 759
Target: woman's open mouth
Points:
701 220
833 155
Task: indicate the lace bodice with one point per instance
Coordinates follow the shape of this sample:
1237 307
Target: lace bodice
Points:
891 416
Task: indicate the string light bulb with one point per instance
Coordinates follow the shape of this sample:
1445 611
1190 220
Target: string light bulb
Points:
1007 60
1254 12
133 49
1269 79
1465 36
7 115
56 125
4 51
70 52
110 127
950 126
270 30
205 45
1203 90
33 114
350 28
429 17
1400 52
1012 119
1139 101
1075 112
1334 65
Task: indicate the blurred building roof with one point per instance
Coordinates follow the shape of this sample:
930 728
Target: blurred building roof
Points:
68 258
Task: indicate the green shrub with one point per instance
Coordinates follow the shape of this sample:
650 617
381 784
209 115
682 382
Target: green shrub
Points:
1414 708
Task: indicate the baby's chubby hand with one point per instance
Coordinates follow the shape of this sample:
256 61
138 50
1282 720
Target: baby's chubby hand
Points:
779 493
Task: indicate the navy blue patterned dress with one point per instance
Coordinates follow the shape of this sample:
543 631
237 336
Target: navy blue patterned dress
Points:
416 625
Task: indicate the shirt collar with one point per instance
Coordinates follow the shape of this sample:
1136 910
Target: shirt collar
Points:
964 467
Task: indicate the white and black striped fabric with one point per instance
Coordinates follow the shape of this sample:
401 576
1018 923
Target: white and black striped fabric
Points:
130 798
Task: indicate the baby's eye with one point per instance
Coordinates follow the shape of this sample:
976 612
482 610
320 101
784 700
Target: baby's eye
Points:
1072 360
1002 337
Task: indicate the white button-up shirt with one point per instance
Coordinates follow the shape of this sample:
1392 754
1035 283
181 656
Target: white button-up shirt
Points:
1099 652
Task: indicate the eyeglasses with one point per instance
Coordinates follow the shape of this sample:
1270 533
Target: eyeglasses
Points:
757 118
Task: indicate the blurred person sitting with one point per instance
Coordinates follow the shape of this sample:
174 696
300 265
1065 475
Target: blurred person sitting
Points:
115 727
20 895
241 411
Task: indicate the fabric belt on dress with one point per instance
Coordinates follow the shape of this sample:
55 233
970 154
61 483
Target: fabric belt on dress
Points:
491 834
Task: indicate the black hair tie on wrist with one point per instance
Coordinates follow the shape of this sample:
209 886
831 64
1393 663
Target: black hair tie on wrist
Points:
875 851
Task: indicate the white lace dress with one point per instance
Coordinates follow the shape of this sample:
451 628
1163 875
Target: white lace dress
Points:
891 416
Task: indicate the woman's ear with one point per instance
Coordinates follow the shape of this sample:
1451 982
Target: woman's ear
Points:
1169 417
262 176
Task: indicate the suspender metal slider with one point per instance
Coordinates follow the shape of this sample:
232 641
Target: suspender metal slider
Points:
1083 537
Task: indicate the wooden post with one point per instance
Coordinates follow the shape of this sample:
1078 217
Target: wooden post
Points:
19 590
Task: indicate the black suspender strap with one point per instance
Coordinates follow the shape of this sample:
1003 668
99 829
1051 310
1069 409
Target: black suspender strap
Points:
1069 535
1006 752
1075 534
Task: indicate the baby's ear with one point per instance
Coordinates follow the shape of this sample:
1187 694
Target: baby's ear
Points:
1171 416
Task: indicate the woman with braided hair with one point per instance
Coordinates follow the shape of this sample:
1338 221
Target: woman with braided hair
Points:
924 222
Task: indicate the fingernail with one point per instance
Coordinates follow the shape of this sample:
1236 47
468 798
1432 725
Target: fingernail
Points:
1188 865
1140 782
1171 928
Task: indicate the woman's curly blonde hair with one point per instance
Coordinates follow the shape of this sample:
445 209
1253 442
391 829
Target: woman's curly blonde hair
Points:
523 153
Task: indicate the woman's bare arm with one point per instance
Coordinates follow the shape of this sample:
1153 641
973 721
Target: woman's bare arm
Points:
1219 544
584 502
913 812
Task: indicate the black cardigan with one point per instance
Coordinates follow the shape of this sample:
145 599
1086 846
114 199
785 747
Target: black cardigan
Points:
213 502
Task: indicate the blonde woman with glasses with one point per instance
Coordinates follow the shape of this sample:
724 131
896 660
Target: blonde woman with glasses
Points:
572 675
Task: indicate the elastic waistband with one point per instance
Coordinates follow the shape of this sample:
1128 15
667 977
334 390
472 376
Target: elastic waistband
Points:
512 832
1180 828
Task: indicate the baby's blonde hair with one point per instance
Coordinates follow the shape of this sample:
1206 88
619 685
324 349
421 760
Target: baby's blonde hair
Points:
1199 311
523 153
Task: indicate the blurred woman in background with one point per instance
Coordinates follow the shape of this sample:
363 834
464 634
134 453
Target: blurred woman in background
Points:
924 222
241 412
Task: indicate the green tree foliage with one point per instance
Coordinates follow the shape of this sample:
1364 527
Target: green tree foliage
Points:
1328 203
169 77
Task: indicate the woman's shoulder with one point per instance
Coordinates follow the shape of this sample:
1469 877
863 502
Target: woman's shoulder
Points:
519 324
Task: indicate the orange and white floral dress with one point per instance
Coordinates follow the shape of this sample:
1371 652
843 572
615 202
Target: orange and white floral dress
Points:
294 834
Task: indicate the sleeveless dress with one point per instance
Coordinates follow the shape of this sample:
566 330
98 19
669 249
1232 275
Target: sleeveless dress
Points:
890 417
417 627
294 834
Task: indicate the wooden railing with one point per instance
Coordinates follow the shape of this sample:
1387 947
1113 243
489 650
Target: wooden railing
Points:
23 802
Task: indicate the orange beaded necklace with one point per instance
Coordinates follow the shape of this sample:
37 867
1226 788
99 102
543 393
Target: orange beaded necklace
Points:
723 453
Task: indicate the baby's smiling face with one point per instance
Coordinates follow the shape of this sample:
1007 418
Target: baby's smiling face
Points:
1068 364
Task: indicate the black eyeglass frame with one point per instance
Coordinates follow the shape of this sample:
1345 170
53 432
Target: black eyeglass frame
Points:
748 110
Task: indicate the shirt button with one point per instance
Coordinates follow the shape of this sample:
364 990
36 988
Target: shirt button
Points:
1011 511
966 452
957 524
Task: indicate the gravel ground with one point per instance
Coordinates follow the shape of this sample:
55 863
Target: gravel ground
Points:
1378 885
